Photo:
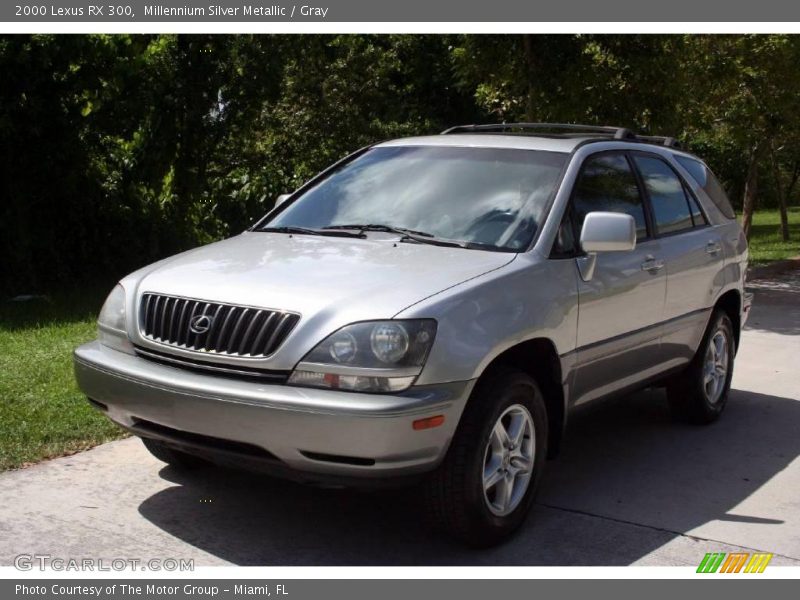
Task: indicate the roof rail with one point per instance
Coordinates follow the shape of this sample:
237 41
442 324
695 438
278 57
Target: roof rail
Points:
617 133
671 142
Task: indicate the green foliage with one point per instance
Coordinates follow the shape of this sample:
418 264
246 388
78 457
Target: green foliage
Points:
119 150
626 80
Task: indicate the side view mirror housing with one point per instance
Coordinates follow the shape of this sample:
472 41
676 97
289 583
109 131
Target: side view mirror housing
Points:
608 232
281 199
605 232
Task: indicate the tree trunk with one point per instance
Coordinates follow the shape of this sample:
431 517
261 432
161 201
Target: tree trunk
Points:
527 46
776 175
784 219
787 194
750 190
793 180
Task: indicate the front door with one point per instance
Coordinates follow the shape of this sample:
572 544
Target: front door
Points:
621 307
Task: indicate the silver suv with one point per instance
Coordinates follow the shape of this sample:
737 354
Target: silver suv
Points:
429 310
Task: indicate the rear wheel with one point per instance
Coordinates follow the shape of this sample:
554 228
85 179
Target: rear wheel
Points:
172 457
699 394
485 487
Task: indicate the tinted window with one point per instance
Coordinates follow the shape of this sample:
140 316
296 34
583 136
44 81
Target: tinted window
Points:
698 218
492 196
706 179
564 245
667 196
607 183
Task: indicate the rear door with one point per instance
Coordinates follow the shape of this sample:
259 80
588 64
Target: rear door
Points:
621 306
692 252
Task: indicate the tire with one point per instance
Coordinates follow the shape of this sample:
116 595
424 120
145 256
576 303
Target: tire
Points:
455 496
697 395
172 457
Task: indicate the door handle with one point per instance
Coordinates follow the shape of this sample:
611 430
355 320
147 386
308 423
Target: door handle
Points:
713 247
652 265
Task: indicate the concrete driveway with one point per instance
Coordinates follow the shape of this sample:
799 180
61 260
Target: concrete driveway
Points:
631 487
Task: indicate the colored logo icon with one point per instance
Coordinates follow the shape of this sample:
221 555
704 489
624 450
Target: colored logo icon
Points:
735 562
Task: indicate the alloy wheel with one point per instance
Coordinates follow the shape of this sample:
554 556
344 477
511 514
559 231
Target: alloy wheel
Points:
508 460
715 366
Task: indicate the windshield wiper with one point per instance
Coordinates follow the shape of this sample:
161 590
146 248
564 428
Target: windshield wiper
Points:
408 234
310 231
376 227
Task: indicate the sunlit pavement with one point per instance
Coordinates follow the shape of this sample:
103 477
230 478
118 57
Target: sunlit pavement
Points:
631 487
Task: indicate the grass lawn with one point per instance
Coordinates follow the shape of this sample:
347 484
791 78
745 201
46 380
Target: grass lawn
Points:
766 244
42 413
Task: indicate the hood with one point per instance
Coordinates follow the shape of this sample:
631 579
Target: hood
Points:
330 278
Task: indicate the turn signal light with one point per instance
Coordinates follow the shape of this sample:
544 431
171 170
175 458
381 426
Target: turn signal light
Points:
428 423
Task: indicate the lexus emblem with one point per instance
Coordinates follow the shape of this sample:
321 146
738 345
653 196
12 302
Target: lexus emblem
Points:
200 323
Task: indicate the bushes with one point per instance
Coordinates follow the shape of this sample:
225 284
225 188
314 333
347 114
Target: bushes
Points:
119 150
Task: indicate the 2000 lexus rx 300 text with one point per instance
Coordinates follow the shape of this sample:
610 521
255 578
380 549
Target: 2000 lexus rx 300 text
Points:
429 310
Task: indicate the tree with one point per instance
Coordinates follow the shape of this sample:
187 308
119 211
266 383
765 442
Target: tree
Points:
119 150
747 95
625 80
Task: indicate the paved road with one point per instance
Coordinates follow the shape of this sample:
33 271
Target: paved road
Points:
631 487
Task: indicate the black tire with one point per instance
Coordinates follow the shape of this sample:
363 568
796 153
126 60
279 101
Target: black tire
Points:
172 457
687 393
454 494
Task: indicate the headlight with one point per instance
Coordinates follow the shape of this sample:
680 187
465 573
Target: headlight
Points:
374 356
111 322
389 342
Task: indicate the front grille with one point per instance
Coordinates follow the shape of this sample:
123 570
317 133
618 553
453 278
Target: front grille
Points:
226 329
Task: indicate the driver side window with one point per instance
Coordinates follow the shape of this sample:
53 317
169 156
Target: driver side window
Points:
607 183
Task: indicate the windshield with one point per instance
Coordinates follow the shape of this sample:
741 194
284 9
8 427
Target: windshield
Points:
488 196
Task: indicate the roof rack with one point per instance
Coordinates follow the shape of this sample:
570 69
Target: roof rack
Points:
617 133
659 140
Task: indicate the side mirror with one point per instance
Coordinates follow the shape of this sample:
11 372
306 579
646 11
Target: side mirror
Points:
608 232
281 199
604 232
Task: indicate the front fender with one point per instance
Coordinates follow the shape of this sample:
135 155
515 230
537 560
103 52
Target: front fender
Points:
529 298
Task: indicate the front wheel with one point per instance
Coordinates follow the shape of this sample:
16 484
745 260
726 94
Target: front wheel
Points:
699 394
485 487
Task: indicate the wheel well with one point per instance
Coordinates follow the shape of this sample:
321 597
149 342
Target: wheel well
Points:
539 359
731 303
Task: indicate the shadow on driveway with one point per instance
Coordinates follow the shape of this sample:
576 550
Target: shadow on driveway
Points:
625 461
777 304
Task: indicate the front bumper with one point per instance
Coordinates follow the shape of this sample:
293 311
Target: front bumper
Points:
301 433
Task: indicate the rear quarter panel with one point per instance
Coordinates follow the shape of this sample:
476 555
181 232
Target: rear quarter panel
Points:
734 243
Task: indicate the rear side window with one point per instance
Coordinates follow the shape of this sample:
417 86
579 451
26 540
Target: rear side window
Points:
607 183
667 195
710 184
697 215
